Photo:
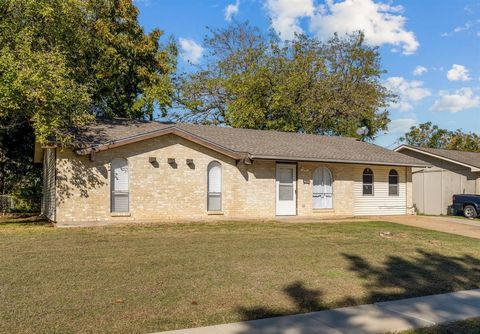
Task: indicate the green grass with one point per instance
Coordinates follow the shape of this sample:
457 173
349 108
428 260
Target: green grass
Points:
471 326
138 279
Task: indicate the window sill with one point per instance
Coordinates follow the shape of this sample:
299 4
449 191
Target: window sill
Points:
323 210
215 213
120 214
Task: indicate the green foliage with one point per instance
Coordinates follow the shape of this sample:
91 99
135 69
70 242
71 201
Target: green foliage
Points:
429 135
35 87
250 80
64 61
19 177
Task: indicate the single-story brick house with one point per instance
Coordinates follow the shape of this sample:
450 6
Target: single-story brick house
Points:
450 172
129 171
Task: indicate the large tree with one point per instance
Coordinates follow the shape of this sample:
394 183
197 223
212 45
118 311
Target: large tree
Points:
252 80
63 62
432 136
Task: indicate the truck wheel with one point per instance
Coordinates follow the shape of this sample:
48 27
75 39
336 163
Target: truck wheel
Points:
470 212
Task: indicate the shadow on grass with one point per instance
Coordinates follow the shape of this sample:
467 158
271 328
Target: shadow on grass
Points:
398 277
24 221
304 299
427 274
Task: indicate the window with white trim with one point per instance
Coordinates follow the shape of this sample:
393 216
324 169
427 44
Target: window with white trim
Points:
393 183
214 197
119 185
322 188
368 181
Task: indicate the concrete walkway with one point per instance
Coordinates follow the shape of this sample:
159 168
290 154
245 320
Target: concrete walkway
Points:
376 318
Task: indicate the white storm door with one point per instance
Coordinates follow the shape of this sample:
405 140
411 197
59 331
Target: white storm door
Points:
286 199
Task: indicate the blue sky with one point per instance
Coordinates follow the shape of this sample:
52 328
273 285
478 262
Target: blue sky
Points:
430 48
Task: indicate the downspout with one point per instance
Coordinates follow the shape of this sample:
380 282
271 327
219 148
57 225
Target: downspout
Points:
407 209
55 185
441 192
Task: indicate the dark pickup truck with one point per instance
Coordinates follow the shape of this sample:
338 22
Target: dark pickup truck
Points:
468 204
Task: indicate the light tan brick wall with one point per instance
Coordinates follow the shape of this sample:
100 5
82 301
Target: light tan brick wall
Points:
166 192
342 190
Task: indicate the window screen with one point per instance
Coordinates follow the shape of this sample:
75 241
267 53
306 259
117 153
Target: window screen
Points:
119 185
368 182
393 183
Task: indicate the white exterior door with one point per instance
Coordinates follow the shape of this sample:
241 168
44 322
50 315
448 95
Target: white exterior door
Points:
286 186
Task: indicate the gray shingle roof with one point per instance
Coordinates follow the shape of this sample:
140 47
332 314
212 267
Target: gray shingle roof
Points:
258 144
467 158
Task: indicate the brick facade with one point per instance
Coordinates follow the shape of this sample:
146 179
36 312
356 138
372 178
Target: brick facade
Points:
165 191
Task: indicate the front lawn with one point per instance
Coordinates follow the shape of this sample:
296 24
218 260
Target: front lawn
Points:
139 279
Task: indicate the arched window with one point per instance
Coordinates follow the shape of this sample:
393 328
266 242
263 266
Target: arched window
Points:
322 189
368 182
214 200
119 185
393 183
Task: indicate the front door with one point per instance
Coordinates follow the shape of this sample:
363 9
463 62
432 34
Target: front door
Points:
286 199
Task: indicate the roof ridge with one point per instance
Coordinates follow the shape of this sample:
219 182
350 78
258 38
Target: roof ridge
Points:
440 149
266 130
174 123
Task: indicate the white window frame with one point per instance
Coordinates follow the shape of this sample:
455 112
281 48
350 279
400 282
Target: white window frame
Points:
393 185
211 194
368 184
113 192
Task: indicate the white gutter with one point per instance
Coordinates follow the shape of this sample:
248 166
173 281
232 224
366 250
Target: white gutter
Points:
381 163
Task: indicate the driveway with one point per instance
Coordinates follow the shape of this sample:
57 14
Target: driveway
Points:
448 224
454 225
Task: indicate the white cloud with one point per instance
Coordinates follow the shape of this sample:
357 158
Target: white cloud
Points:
419 70
190 50
401 126
467 26
382 23
456 101
458 73
458 29
285 15
409 92
231 10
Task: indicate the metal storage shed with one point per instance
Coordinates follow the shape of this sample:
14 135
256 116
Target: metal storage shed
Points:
451 172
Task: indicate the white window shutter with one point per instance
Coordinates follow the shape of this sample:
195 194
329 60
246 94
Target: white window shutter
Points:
317 188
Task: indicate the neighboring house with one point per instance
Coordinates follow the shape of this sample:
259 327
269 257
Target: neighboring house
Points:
121 171
452 172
